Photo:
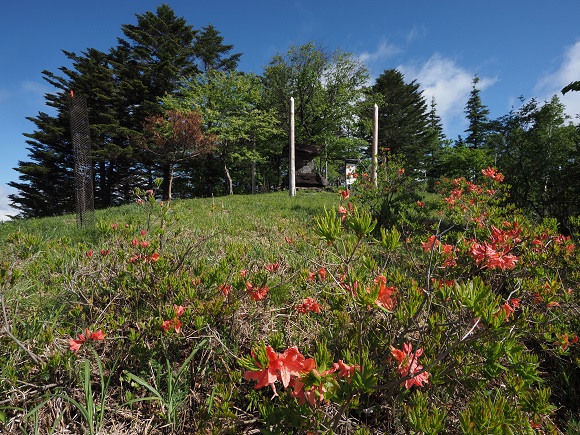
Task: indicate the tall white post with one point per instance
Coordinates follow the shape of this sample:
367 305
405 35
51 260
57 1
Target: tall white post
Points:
292 169
375 147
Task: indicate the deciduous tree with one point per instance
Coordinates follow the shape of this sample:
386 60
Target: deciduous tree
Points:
325 87
174 138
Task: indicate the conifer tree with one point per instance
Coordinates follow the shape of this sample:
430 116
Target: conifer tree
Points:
212 53
435 144
46 185
477 116
123 86
403 118
150 61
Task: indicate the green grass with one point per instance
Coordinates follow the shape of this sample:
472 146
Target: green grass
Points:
126 275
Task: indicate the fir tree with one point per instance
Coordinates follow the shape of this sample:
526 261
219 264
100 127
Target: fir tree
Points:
212 53
403 118
476 113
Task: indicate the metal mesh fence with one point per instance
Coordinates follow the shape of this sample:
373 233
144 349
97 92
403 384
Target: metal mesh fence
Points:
79 126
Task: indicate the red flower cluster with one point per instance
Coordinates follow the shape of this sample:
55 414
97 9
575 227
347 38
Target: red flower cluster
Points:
291 368
75 345
509 307
495 253
385 297
272 267
343 212
564 341
321 274
226 289
309 305
280 367
493 174
408 365
431 243
255 292
174 323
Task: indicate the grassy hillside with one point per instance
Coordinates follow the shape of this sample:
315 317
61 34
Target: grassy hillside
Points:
271 314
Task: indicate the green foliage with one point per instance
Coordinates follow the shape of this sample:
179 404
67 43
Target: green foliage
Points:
294 314
174 396
405 126
393 201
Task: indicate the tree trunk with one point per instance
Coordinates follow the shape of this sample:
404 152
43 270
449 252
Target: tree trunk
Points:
167 181
254 170
229 178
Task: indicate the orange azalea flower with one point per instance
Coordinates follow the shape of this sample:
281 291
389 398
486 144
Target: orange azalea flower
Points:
493 174
345 193
154 257
344 370
89 253
431 243
173 323
75 345
309 305
179 310
342 212
225 289
166 325
486 254
255 292
509 307
408 365
268 375
322 273
384 298
283 367
272 267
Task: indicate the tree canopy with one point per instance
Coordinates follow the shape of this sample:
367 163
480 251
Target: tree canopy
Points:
164 74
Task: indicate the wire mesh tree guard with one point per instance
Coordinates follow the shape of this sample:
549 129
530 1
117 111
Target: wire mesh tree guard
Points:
83 168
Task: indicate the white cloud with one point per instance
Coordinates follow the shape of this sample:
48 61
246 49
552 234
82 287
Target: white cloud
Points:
417 33
568 71
450 84
5 210
36 90
383 51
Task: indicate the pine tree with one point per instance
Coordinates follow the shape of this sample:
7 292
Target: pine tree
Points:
403 118
46 184
435 144
476 113
211 51
155 54
123 86
93 77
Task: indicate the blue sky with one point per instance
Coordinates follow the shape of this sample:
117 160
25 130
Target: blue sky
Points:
528 48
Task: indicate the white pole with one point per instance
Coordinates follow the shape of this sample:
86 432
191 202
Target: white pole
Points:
375 150
292 169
